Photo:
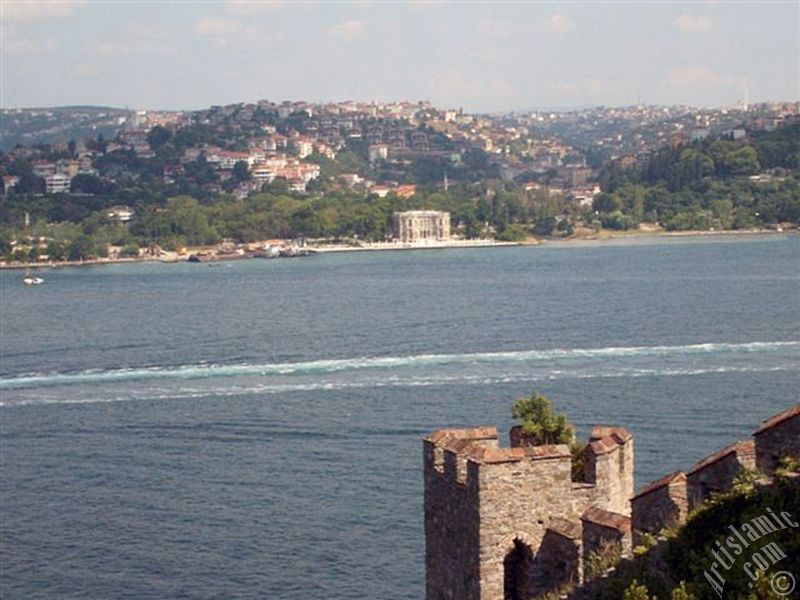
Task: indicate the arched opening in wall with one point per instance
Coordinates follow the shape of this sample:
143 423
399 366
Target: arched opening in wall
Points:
517 569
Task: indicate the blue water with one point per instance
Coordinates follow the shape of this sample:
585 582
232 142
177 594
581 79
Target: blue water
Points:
253 430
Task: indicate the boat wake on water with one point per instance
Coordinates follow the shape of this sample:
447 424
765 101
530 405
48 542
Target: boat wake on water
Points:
201 380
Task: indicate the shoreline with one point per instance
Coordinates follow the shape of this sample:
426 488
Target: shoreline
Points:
384 246
606 236
598 239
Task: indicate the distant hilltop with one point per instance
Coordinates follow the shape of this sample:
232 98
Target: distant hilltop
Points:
60 124
427 103
72 107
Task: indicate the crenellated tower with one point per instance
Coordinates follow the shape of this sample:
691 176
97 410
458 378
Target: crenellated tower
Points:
511 522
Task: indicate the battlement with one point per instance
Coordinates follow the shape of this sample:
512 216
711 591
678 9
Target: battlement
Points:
450 452
609 457
484 502
511 523
666 501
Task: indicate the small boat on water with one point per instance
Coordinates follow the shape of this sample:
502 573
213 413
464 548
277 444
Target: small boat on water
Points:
29 279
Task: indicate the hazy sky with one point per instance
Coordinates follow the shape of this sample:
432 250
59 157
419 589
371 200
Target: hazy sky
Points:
477 55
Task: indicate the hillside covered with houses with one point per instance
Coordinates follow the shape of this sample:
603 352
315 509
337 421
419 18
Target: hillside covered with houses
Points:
244 173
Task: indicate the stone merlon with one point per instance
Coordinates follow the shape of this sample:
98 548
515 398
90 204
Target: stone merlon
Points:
777 437
774 421
717 472
605 439
661 504
667 480
743 447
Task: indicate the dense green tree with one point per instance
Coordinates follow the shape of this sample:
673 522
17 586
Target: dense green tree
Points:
80 248
306 222
28 183
513 233
723 211
157 137
91 184
617 220
241 172
193 136
130 250
201 171
538 421
607 202
743 161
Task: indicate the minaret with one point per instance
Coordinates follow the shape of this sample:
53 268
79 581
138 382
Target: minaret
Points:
446 185
746 102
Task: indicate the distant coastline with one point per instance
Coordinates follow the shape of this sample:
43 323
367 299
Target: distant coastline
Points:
608 236
603 237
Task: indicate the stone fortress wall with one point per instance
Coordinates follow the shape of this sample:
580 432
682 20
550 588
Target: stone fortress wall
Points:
667 501
487 507
511 523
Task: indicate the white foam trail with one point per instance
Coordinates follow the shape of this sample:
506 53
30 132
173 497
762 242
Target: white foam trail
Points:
203 371
260 390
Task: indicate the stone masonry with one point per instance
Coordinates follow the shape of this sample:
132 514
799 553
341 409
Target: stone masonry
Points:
777 437
506 522
602 527
662 504
510 523
716 473
667 501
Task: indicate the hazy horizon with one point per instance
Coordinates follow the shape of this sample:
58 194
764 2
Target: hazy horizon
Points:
510 57
278 101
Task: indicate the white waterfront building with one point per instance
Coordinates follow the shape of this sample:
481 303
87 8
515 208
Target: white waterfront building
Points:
420 226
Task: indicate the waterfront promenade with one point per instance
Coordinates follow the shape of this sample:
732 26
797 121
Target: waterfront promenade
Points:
595 239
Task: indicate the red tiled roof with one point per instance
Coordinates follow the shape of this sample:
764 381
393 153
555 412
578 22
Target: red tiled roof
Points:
659 483
744 446
789 413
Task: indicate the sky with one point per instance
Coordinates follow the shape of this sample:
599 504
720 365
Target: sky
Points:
479 56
